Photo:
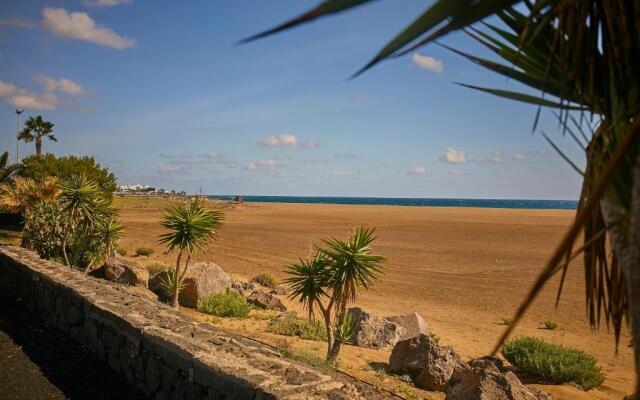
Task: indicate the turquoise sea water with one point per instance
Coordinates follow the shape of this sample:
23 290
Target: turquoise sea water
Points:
482 203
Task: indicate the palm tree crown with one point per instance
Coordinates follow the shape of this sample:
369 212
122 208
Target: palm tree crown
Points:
34 130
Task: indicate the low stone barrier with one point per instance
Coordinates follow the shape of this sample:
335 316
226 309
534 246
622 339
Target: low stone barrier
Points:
164 353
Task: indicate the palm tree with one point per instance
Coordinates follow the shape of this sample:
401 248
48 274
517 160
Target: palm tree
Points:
191 227
34 130
82 202
582 53
6 170
107 233
334 274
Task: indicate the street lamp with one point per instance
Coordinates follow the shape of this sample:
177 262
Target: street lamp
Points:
18 112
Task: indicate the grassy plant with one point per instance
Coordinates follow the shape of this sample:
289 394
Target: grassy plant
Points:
157 268
506 321
227 304
121 251
554 362
550 325
302 327
434 336
305 357
169 284
266 280
144 251
406 392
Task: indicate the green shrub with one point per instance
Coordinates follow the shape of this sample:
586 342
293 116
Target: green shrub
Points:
506 321
156 268
121 251
266 280
550 325
227 304
302 327
435 337
144 251
554 362
305 357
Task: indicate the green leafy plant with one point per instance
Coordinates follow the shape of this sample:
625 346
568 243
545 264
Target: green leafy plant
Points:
302 327
144 251
191 226
434 336
229 304
169 284
305 357
506 321
556 363
550 325
266 280
121 251
34 130
157 268
330 279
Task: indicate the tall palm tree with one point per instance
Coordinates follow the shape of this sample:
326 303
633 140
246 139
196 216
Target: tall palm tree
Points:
333 276
191 227
582 56
6 169
34 130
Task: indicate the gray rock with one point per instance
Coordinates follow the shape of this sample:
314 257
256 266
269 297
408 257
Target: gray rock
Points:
413 323
265 301
279 290
430 365
373 331
203 279
118 269
478 383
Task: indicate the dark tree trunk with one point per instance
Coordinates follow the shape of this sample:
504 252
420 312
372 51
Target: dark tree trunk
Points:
625 238
38 146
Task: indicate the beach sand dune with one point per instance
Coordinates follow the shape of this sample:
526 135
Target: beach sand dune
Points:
463 269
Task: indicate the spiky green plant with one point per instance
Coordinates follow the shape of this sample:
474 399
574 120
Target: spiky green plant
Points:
581 55
191 226
34 130
6 170
329 280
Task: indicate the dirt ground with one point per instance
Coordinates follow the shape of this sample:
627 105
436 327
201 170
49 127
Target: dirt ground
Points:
463 269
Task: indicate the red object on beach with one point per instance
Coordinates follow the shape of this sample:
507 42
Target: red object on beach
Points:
239 200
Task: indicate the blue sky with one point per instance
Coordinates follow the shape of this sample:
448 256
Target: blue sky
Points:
158 92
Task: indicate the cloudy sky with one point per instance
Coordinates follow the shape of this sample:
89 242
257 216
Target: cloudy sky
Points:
158 92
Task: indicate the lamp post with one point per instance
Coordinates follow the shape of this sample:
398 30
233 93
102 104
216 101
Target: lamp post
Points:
18 112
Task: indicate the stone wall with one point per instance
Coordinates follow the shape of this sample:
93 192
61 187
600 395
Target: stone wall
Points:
164 353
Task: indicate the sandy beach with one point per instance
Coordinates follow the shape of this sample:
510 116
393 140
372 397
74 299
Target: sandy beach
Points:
461 268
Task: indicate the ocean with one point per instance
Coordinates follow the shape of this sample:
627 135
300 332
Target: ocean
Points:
391 201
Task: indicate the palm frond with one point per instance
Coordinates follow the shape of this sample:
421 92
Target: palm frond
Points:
190 226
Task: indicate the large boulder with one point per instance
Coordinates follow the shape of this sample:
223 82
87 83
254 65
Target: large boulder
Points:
118 269
373 331
413 323
265 301
431 366
203 279
488 383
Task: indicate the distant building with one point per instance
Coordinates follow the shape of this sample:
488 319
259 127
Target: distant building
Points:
144 190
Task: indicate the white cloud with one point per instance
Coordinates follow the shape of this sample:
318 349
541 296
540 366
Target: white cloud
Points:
453 156
457 172
286 140
79 25
417 170
341 173
217 158
18 23
21 98
495 158
261 165
173 168
62 84
104 3
519 157
426 62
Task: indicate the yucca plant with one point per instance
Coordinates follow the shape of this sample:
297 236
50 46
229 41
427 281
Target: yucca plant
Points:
6 170
34 130
581 55
22 194
191 226
329 280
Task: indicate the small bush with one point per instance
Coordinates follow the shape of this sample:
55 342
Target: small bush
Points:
156 268
266 280
554 362
144 251
506 321
305 357
301 327
550 325
121 251
227 304
435 337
